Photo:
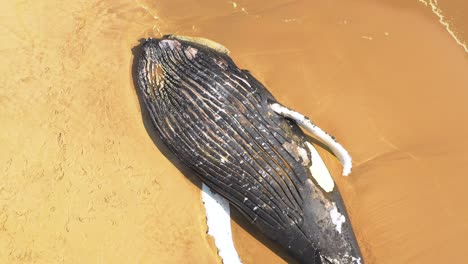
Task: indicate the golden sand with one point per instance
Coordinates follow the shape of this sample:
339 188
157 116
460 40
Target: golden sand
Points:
82 181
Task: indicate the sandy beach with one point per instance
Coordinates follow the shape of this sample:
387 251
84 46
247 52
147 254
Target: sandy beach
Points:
82 179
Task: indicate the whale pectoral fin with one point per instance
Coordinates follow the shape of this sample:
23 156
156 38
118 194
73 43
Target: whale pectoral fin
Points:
218 221
319 170
338 150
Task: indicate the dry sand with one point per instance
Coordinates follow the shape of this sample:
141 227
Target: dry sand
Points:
82 181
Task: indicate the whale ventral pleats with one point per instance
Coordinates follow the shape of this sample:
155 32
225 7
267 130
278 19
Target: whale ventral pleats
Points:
218 120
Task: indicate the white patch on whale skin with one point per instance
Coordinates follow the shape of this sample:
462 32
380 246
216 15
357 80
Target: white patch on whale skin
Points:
190 52
303 153
356 260
297 152
319 171
219 225
337 218
345 259
305 122
172 44
335 261
340 261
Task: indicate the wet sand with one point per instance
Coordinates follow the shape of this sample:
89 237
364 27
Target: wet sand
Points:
82 179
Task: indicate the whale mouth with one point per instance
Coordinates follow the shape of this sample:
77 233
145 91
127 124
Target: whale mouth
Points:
161 58
171 60
182 47
161 61
151 69
155 49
